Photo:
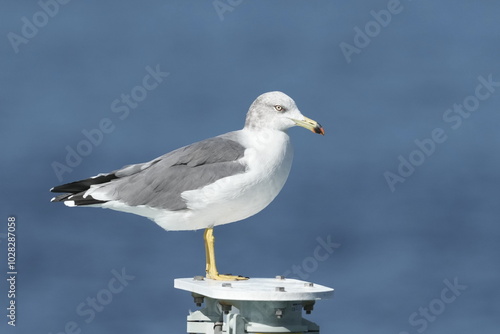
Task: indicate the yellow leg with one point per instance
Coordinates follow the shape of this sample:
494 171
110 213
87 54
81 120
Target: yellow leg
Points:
211 267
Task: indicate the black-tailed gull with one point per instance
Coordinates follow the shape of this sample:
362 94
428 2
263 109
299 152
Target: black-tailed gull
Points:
212 182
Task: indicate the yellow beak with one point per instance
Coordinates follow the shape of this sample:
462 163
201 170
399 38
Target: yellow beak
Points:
310 125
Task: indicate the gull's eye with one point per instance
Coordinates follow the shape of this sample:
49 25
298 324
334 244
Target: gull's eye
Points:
279 108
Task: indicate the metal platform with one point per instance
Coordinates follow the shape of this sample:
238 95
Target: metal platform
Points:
257 305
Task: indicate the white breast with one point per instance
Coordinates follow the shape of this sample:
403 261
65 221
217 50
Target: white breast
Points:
268 156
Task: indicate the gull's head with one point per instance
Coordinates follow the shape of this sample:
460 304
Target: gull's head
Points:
278 111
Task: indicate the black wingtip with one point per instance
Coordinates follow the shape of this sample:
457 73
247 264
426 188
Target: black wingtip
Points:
74 190
60 198
83 185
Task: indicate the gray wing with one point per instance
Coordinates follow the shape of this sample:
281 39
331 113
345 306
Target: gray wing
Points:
160 183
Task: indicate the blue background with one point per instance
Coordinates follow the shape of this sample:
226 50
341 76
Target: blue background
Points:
396 248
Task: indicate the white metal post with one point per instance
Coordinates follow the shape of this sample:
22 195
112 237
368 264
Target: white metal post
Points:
257 305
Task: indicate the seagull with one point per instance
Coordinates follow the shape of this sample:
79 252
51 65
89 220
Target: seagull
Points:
216 181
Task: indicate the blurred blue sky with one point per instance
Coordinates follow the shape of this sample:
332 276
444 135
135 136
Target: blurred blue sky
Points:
411 67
